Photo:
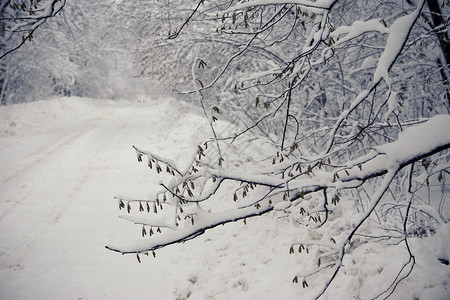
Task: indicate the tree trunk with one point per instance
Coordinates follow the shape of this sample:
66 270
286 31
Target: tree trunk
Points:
438 20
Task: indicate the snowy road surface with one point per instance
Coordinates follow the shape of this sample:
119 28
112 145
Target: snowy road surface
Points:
61 163
63 160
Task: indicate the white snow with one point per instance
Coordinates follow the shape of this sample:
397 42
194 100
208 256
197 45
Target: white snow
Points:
282 205
358 28
398 35
62 161
418 139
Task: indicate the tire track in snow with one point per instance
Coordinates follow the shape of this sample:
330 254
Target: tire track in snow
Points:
88 142
36 156
36 160
41 174
53 238
98 139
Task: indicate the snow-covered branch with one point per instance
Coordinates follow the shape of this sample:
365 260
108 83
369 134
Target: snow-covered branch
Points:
413 145
320 4
30 17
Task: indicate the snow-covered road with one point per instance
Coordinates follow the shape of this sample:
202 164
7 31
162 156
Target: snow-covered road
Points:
59 173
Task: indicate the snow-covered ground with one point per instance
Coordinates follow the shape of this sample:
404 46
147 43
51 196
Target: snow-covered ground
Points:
63 160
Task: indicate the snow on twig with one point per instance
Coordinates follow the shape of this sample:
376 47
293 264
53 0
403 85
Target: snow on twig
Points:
320 4
421 141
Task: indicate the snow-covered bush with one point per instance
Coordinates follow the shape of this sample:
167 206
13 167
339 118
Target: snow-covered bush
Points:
341 110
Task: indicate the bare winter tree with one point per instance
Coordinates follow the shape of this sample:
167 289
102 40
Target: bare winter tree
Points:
349 102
